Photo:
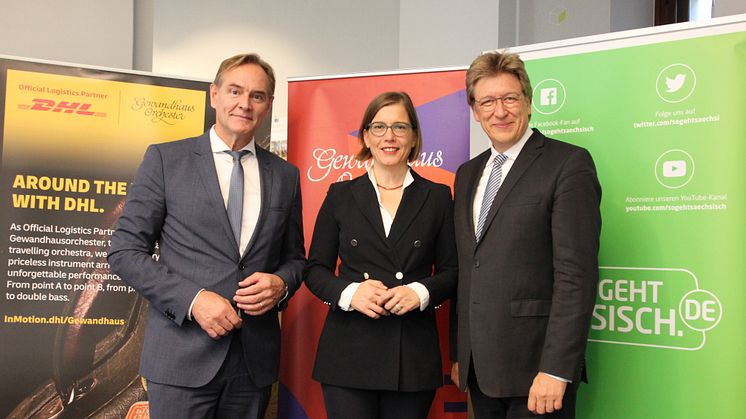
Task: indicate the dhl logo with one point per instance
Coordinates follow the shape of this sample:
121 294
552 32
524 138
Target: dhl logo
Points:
138 410
62 107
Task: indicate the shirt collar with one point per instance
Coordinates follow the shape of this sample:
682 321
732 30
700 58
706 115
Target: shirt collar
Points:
218 146
515 149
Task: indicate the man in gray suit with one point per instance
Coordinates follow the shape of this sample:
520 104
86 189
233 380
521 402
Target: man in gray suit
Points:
226 216
527 223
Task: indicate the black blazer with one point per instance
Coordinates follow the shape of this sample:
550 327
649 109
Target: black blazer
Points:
527 289
393 352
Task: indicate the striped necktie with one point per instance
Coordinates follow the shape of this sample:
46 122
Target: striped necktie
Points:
493 184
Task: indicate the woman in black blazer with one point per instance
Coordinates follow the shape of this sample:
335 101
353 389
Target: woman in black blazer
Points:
378 355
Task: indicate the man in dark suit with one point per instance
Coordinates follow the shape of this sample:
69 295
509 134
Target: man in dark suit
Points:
527 232
226 267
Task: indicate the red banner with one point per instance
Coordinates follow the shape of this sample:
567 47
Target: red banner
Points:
323 119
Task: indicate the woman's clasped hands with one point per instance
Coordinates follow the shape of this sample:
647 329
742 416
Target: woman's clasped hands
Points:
374 299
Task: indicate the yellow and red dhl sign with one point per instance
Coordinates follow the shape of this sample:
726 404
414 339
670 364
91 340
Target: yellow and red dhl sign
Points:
62 106
58 115
115 105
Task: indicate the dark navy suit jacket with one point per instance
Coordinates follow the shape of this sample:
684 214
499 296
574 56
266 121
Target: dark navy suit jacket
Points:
175 201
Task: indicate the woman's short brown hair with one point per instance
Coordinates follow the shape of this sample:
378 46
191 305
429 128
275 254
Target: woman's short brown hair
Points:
381 101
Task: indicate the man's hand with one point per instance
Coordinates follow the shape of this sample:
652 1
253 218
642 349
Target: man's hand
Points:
454 374
545 394
367 298
259 292
214 314
400 300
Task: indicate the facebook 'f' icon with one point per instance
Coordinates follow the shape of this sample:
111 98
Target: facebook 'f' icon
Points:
548 96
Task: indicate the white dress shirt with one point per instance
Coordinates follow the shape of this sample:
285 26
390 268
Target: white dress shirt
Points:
424 295
252 194
512 154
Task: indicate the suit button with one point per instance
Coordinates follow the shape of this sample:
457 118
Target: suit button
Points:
241 266
353 242
399 276
476 264
417 243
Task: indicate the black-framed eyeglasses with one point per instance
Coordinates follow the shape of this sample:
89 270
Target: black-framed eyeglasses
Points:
509 101
398 128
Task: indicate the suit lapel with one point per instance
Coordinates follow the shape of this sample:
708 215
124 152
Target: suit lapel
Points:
366 200
413 199
265 183
530 152
206 167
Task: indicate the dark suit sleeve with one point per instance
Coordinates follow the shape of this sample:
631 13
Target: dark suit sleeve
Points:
133 243
442 284
453 313
294 251
323 254
576 225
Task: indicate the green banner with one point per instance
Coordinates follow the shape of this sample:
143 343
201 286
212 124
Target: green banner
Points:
666 127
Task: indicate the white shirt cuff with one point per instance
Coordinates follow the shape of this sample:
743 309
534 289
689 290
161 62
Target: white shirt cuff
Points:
345 299
422 293
559 378
284 297
189 313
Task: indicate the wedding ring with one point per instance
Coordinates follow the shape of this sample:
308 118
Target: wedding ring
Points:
397 308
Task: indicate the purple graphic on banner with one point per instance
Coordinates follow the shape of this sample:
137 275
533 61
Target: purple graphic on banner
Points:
445 128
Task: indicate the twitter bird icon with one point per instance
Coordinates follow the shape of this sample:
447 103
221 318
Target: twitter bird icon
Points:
675 83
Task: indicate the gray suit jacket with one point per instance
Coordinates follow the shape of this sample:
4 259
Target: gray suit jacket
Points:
527 289
175 201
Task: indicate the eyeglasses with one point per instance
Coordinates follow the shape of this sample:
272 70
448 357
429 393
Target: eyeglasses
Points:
379 128
509 101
